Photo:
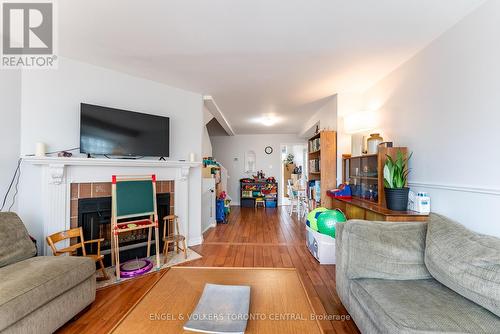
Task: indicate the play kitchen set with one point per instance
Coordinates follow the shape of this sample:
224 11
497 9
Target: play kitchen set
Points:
259 191
375 185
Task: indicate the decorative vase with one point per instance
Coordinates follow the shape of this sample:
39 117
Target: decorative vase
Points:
373 142
397 198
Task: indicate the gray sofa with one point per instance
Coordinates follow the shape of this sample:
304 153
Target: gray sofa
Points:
39 294
435 277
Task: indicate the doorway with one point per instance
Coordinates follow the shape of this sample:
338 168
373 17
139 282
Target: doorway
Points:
293 166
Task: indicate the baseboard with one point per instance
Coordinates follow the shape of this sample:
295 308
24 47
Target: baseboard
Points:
209 227
195 241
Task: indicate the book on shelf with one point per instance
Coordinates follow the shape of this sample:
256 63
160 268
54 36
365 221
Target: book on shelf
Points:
314 165
314 145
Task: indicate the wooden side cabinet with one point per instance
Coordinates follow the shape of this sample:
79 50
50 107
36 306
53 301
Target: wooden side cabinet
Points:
360 209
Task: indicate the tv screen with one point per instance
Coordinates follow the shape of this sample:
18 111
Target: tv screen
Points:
109 131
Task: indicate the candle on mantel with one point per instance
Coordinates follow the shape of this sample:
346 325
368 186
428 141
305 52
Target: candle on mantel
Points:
192 157
40 149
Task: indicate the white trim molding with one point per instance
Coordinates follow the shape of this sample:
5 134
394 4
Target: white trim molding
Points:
214 109
477 190
109 162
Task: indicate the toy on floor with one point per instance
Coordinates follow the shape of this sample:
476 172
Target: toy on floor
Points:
313 216
320 233
326 221
135 267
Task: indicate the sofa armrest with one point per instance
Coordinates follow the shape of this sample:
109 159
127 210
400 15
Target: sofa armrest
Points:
383 250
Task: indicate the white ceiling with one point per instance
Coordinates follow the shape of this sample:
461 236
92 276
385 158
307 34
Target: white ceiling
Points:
256 57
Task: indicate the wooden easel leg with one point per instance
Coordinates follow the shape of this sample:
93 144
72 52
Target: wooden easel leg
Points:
112 247
157 246
149 242
117 260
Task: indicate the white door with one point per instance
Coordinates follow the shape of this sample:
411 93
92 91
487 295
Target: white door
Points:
208 204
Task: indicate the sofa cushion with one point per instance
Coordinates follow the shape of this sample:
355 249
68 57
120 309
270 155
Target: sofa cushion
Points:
420 306
464 261
30 284
385 250
15 243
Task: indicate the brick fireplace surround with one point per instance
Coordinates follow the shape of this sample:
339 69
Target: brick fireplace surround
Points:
103 189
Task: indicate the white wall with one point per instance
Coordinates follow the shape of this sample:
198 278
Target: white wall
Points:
325 117
346 103
50 112
206 141
226 149
206 150
444 105
10 111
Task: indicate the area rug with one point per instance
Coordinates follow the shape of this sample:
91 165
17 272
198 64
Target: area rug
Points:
174 259
278 301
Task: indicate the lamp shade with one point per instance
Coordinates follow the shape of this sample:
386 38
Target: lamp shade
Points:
361 121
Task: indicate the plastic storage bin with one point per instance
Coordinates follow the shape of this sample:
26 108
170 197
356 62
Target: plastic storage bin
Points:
321 246
270 203
220 214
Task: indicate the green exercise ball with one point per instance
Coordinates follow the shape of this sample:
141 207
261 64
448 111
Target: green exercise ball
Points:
312 217
326 221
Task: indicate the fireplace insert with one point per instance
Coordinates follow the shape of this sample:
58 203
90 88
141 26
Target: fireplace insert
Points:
94 216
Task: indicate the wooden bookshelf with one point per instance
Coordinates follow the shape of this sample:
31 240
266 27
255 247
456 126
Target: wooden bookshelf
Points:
323 148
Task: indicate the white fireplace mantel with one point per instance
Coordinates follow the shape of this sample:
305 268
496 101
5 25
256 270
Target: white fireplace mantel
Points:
49 206
57 165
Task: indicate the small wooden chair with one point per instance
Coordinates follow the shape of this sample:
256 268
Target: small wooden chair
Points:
259 201
71 250
174 237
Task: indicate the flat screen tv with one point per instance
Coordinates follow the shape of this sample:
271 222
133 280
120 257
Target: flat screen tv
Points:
109 131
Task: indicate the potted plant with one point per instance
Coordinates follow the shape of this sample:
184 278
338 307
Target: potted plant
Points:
289 159
395 176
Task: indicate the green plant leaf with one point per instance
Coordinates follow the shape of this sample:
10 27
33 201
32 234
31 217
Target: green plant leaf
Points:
396 170
387 177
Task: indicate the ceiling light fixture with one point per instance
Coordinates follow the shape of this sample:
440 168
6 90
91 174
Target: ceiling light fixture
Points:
268 120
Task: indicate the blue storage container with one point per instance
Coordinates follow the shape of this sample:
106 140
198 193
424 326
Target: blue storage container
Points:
220 215
270 203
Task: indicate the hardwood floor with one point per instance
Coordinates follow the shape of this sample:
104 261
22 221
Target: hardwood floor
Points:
252 238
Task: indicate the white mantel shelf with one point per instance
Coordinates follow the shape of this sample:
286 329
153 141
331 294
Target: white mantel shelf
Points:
109 162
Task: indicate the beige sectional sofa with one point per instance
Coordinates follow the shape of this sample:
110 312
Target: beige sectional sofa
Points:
38 294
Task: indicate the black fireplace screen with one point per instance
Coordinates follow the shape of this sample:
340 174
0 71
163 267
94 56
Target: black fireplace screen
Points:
94 216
